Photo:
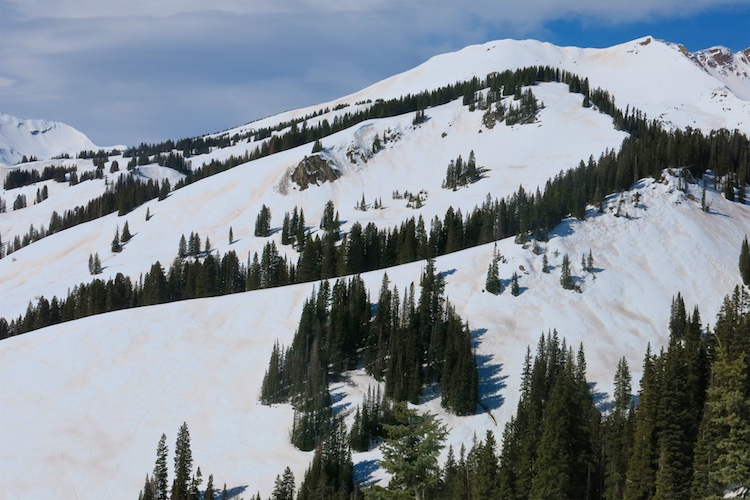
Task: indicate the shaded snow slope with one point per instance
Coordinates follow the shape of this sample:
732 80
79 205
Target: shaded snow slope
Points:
42 139
84 403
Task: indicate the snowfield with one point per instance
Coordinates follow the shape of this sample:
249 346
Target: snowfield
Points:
83 404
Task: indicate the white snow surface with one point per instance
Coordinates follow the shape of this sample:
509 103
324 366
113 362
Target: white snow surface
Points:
40 138
83 404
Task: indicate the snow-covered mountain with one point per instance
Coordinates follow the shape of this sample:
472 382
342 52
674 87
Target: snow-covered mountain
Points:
83 403
41 139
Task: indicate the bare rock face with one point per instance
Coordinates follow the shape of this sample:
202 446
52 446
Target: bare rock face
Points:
313 170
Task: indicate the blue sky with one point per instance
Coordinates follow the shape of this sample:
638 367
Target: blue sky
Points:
131 71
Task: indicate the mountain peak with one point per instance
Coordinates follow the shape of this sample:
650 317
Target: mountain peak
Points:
42 139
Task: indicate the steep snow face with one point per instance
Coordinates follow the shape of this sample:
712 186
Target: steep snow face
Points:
39 138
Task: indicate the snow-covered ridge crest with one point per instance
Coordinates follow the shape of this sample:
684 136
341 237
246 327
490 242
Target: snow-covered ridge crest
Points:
42 139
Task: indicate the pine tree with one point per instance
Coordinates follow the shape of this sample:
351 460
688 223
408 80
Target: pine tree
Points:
745 262
618 435
492 283
545 264
125 237
183 464
410 451
182 249
566 280
148 213
209 493
161 472
231 235
116 241
263 222
283 488
515 289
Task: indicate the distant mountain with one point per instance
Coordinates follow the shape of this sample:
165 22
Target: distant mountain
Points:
41 139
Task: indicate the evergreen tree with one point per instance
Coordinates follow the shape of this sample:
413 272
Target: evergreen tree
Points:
182 250
515 289
147 493
640 483
283 488
148 213
209 493
125 237
231 235
161 472
492 282
618 435
410 451
745 262
545 264
116 241
566 280
263 222
183 464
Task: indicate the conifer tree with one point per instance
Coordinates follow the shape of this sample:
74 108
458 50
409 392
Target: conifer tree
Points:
183 464
263 222
566 280
116 241
618 435
515 289
745 262
182 250
125 237
209 493
160 479
492 283
283 488
231 235
410 451
640 481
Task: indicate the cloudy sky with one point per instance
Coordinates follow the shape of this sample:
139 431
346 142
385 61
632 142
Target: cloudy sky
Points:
131 71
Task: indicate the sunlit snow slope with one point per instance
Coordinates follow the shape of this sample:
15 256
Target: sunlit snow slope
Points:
83 404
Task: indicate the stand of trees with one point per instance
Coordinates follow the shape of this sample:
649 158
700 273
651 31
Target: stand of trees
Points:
407 345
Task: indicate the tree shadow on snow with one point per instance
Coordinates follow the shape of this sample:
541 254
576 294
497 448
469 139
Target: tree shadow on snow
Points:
491 382
447 273
336 406
232 492
363 472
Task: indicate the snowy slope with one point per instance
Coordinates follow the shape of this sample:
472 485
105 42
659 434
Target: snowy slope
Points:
82 404
42 139
657 77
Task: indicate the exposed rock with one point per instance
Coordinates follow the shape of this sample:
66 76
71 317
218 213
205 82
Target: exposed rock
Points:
313 170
